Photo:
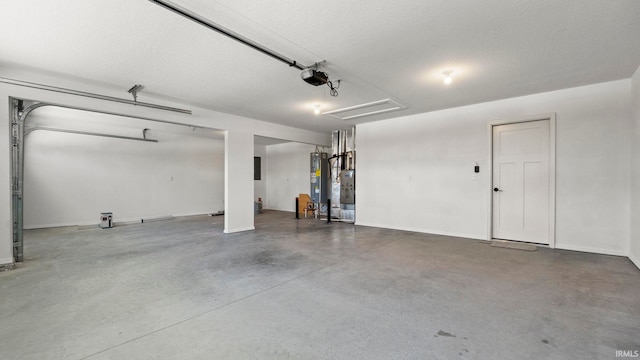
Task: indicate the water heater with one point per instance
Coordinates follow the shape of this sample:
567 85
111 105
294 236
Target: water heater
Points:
319 177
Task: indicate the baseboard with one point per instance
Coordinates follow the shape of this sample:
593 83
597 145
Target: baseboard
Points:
58 225
634 260
195 214
231 231
6 262
591 250
125 222
83 225
116 222
424 231
156 218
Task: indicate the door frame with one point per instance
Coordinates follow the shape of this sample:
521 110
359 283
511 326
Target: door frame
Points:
552 170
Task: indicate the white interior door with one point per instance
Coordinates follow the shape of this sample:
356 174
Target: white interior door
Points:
521 181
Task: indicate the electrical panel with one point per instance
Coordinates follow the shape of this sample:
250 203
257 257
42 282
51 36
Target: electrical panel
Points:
319 177
347 187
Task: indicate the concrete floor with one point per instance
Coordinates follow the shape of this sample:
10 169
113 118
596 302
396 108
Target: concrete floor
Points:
181 289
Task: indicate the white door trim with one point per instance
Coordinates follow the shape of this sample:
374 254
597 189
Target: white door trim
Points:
552 171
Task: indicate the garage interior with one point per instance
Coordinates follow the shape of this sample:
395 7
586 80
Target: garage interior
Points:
361 180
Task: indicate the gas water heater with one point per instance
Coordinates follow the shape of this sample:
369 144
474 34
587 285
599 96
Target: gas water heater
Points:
319 177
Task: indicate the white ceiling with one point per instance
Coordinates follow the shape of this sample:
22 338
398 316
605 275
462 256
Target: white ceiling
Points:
379 49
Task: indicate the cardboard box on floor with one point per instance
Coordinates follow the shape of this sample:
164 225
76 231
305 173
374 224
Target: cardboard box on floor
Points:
304 201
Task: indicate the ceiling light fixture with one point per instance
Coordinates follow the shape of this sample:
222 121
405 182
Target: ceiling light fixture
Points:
316 109
447 77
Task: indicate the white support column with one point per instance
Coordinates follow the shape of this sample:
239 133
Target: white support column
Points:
238 181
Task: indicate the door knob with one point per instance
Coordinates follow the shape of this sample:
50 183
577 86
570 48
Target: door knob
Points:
496 189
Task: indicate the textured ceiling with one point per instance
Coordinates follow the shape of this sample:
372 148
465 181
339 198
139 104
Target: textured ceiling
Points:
379 49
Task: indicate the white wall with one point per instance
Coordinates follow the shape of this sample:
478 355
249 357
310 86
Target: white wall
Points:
238 142
634 251
287 174
260 186
70 178
414 172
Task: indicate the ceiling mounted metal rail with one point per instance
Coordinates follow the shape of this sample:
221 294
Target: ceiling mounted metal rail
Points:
226 32
91 95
